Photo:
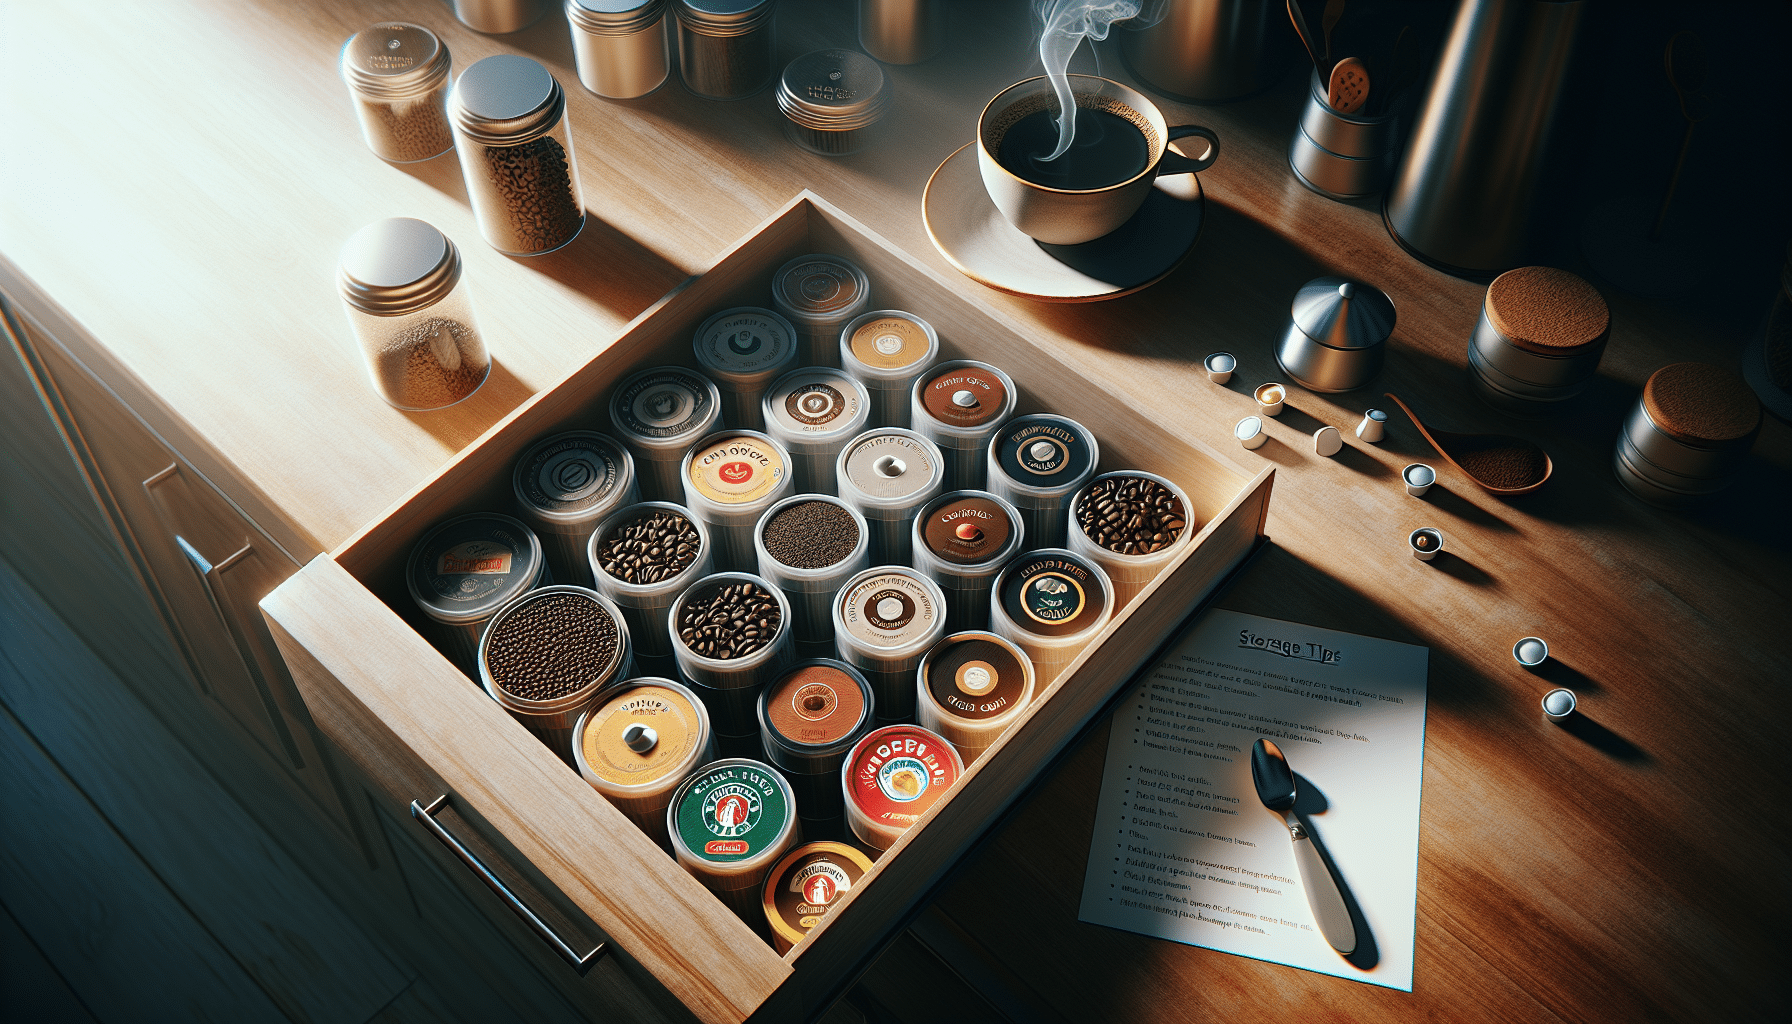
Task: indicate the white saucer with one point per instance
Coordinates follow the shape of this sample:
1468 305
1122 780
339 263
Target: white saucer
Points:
973 235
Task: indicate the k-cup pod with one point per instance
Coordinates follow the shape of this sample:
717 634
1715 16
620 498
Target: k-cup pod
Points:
807 883
1220 366
643 556
971 688
1327 442
1530 651
730 479
885 619
659 414
1374 426
743 350
888 473
819 293
887 349
1419 478
959 405
808 546
1051 602
730 822
564 486
813 413
1559 705
1270 398
1036 463
1249 432
961 540
1426 542
891 777
731 636
638 743
809 717
466 568
1132 524
547 655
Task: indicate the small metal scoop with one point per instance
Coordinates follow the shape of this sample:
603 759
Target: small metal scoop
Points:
1275 787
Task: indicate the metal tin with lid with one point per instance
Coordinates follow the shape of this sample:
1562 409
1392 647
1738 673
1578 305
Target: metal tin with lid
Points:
830 100
818 293
659 413
499 17
639 743
1337 334
887 474
892 776
959 405
885 619
730 821
401 287
887 349
807 883
463 570
620 47
397 74
730 478
971 687
814 412
961 540
1051 602
564 485
561 646
809 717
743 350
645 604
725 47
1539 339
1036 463
516 154
1688 434
902 31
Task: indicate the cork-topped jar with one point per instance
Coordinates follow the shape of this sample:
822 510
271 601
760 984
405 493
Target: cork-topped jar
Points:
1539 339
1688 434
397 74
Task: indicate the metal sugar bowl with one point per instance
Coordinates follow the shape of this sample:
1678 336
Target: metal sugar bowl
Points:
1337 334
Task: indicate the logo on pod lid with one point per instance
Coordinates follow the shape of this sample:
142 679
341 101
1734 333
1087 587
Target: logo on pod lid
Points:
891 465
1053 595
807 883
572 472
745 340
731 811
641 735
975 678
965 396
667 402
967 531
1042 451
889 609
468 566
737 470
890 343
815 704
895 773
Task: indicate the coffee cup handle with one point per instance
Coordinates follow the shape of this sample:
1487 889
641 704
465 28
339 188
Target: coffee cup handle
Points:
1175 163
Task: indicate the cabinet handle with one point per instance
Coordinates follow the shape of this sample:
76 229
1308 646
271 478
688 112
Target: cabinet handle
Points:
427 815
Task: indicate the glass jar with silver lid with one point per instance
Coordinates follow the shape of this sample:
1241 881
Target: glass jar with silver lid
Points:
725 46
401 286
620 47
509 117
397 74
831 99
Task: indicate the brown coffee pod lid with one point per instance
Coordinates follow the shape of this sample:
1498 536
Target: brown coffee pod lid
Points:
968 530
1702 404
1545 310
976 676
965 396
817 703
810 881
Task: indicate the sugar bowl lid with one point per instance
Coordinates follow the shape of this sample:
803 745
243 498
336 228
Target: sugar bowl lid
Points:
834 90
1342 313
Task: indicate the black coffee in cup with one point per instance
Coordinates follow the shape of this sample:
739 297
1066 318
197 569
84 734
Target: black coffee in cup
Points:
1106 150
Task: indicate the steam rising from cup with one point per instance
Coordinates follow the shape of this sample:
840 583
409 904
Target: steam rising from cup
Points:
1062 25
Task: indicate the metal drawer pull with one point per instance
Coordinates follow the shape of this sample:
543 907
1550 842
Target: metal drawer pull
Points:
427 815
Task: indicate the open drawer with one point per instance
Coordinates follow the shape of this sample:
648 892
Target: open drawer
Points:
416 728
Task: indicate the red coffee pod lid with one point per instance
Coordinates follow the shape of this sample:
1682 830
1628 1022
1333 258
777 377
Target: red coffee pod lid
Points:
896 773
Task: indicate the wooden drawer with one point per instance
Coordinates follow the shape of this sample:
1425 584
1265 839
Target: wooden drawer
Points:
420 728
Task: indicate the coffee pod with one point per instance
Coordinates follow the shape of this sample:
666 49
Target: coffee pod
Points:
638 744
1249 432
891 777
1426 542
1220 366
1132 524
1051 602
961 540
819 293
959 405
466 568
807 883
731 636
1327 441
813 412
642 557
547 655
743 350
1559 705
888 473
970 688
1419 478
1530 651
1374 426
887 349
730 479
659 414
564 486
809 717
1036 463
808 545
1270 398
730 822
885 619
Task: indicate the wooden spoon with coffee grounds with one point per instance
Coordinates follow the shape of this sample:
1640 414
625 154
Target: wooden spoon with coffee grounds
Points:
1500 463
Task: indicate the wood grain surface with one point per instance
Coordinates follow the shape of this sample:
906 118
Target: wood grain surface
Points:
1634 867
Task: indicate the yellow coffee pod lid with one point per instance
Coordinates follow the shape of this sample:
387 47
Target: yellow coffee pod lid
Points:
646 732
810 881
737 469
890 342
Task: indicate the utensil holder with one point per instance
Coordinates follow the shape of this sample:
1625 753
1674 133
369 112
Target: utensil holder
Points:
1342 156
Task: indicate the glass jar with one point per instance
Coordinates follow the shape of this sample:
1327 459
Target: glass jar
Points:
725 46
401 286
620 47
509 118
831 99
397 76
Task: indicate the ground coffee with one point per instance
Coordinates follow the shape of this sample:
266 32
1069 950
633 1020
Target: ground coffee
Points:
811 535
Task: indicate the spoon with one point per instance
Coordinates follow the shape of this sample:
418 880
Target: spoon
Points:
1684 61
1296 15
1275 787
1500 463
1349 87
1334 12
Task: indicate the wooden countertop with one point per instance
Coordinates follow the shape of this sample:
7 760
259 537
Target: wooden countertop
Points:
180 178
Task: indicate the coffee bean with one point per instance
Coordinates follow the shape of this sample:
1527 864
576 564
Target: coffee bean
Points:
730 621
1131 515
551 646
642 551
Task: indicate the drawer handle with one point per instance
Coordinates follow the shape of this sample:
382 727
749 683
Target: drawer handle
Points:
427 815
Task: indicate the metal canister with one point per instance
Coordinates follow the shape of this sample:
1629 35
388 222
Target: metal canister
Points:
743 350
659 413
819 293
1538 340
466 568
498 17
1209 50
1688 434
397 75
725 49
620 47
564 486
1337 334
1343 156
902 31
831 99
516 154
